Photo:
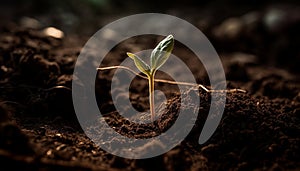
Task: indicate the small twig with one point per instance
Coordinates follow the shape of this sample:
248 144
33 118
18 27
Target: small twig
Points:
58 87
12 102
44 89
171 82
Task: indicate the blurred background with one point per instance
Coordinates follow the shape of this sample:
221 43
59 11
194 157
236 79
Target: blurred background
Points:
267 29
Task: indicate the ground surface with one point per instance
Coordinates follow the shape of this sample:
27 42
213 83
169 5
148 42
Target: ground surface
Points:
259 129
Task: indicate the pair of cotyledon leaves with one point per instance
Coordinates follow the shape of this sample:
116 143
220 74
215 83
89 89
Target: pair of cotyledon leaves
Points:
159 56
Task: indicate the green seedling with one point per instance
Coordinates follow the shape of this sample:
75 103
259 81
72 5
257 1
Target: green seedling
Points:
158 57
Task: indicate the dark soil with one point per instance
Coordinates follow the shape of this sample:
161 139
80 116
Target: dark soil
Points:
259 129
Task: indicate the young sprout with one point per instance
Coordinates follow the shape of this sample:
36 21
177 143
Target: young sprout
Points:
158 57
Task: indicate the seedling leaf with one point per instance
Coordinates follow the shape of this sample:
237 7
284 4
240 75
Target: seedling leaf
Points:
140 64
158 57
161 52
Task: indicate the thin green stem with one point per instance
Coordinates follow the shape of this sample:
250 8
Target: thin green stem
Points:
151 96
151 80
